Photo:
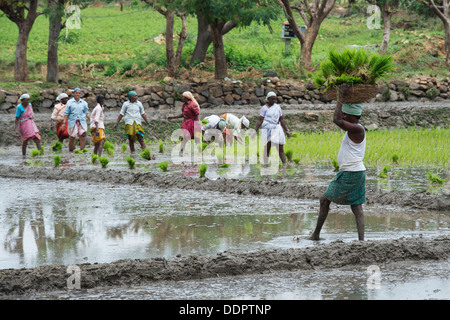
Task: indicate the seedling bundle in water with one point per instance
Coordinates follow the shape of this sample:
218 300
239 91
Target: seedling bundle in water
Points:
146 154
109 147
35 153
203 169
57 146
104 161
163 165
131 162
57 160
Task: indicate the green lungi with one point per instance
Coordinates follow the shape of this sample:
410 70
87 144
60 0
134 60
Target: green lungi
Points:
348 188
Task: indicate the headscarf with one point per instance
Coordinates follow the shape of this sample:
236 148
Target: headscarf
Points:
24 96
76 89
222 124
131 94
191 97
270 94
352 108
245 121
61 96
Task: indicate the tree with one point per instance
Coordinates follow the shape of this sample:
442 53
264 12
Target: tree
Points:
55 10
218 14
313 13
23 14
204 37
388 9
443 12
168 8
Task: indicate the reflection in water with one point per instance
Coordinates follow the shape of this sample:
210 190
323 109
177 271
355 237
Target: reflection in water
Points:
74 223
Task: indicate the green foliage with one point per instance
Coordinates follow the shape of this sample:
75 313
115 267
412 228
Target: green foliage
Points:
202 170
131 162
109 147
335 165
57 160
146 154
395 158
57 146
432 93
161 147
94 158
434 178
289 154
384 172
163 165
224 165
35 153
104 161
296 160
352 66
123 148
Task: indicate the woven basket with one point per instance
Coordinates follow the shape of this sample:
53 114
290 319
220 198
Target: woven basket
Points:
356 94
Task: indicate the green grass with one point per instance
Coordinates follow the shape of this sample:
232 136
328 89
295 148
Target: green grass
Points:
409 147
108 43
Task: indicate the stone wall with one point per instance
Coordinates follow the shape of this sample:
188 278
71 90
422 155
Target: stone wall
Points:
209 93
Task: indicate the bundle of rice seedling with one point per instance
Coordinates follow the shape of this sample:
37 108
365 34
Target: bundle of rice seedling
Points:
355 68
104 161
146 154
57 146
203 169
94 158
57 160
35 153
163 165
109 147
131 162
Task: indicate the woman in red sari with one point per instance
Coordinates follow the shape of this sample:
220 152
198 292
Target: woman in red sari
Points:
189 112
25 126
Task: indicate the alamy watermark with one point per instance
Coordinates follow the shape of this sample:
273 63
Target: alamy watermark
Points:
374 277
373 21
74 280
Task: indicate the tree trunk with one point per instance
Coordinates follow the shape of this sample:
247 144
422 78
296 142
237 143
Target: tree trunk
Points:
307 46
20 63
220 61
170 54
55 27
204 39
386 14
447 43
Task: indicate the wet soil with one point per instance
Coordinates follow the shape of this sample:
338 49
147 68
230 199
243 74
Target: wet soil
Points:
138 272
323 256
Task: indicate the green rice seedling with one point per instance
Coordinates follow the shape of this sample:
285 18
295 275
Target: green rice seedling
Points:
434 178
384 172
146 154
224 165
77 151
57 146
335 165
395 158
94 158
84 150
161 147
109 147
57 160
203 169
123 148
289 154
35 153
163 165
104 161
296 160
131 162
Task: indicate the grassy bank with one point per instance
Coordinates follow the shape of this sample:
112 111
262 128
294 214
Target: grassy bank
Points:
118 46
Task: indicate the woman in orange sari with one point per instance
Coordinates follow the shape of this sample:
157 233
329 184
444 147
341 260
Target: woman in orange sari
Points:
189 112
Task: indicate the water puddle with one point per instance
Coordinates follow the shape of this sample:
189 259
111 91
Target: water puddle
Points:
55 222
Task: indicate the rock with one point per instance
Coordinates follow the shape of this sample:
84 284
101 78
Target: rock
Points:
418 93
178 104
394 96
47 103
140 91
12 99
259 92
238 90
372 126
111 103
270 73
5 106
228 99
384 115
216 91
170 101
414 86
311 116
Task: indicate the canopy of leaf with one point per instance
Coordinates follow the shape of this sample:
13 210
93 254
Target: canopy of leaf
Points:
243 12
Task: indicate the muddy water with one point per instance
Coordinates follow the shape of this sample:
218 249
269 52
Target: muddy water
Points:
396 281
57 222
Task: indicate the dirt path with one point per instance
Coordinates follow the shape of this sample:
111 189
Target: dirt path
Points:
139 272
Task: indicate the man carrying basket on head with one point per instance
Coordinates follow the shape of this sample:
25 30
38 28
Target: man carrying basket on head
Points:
348 186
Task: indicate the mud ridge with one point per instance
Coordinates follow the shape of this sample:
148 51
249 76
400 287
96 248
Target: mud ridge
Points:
139 272
420 200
